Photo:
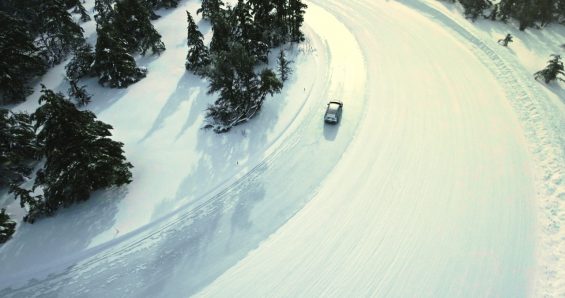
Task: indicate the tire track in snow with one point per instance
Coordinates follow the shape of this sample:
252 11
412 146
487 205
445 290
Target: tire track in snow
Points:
423 217
141 263
543 128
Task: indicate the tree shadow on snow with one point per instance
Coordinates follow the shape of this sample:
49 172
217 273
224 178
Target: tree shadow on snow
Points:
557 89
50 240
188 87
217 237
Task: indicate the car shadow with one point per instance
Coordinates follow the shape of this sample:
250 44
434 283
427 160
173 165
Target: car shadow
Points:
330 131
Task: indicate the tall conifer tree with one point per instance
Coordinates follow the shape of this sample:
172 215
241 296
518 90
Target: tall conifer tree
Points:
198 57
59 34
132 23
20 61
113 65
553 71
297 9
80 156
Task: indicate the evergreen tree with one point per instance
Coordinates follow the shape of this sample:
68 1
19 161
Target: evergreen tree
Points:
560 10
79 155
245 31
104 11
156 4
475 8
261 11
81 64
59 34
524 11
148 5
198 57
35 204
297 9
77 7
19 63
222 35
241 91
210 9
7 226
493 15
547 11
112 64
553 70
242 21
263 19
153 5
284 66
132 23
79 93
18 147
279 30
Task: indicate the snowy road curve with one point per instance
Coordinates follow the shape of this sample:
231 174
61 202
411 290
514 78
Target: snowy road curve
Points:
433 199
425 189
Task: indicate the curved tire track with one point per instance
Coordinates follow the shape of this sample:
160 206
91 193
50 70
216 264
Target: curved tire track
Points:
542 126
140 263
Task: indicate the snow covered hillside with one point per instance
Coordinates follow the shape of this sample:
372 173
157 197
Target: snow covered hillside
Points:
444 178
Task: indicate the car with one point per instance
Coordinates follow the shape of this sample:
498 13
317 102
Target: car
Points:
333 112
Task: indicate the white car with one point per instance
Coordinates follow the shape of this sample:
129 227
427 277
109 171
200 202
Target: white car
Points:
333 112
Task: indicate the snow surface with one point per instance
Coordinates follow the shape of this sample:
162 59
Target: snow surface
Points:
444 178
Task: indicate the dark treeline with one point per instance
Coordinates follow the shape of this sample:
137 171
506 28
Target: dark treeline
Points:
38 34
528 13
72 152
243 36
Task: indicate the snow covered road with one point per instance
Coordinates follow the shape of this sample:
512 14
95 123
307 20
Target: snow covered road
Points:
425 189
434 197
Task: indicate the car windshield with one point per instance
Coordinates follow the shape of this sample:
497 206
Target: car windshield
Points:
332 108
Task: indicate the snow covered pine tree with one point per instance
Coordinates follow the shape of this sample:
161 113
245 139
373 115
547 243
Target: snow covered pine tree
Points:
77 7
553 70
198 57
210 9
80 156
283 66
242 91
58 33
20 61
81 64
132 23
7 226
18 147
113 65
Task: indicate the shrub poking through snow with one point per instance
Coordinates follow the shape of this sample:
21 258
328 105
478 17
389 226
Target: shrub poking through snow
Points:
283 66
79 93
504 41
7 226
553 70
